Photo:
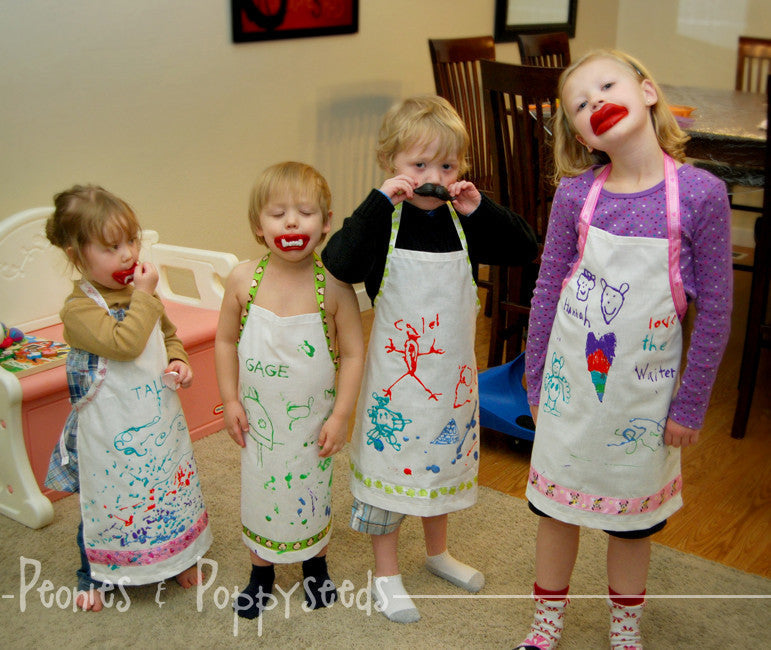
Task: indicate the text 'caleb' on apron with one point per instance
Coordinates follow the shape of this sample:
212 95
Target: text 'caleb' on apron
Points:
287 388
415 447
143 513
611 370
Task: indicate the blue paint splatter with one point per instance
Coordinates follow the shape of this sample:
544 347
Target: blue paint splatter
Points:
433 468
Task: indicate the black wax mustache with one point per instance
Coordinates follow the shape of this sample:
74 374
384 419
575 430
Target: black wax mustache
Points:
437 191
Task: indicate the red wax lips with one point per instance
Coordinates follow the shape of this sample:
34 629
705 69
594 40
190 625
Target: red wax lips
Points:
607 117
291 242
125 276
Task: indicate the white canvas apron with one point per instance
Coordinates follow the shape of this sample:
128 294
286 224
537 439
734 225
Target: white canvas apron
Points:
287 387
143 513
611 370
415 447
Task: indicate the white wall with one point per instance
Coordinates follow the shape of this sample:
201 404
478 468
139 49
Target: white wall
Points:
691 42
153 100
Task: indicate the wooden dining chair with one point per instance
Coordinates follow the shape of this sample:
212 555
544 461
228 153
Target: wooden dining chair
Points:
758 331
455 62
753 64
519 102
550 50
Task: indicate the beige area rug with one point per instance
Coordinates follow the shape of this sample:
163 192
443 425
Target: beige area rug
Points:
497 536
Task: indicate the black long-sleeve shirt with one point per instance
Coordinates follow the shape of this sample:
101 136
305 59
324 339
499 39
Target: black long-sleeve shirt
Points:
357 252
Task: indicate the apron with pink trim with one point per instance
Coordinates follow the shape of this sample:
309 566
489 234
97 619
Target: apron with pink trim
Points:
611 370
144 518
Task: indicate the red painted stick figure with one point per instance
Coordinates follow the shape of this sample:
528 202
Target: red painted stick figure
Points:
410 352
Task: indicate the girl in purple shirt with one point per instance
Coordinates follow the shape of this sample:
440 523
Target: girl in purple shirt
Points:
634 237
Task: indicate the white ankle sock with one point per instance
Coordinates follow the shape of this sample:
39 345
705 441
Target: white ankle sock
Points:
393 600
625 625
446 566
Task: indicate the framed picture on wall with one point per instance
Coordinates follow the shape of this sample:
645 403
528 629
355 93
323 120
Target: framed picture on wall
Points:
264 20
514 17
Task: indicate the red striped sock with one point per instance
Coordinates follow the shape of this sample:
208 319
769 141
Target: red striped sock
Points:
547 594
626 600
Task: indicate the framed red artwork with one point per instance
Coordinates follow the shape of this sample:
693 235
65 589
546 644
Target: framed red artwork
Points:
263 20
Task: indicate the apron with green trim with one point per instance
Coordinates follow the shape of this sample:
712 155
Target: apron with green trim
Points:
415 447
287 387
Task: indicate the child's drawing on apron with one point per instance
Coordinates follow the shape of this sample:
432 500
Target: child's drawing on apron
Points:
287 389
143 513
415 440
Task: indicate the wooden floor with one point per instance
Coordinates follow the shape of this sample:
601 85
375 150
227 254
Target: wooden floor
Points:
727 493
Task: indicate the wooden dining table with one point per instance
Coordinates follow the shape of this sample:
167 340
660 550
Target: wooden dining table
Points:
725 126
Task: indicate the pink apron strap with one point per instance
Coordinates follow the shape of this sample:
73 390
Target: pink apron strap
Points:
673 229
673 235
586 218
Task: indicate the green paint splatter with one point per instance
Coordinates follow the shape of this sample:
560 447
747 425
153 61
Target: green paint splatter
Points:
267 483
307 348
288 478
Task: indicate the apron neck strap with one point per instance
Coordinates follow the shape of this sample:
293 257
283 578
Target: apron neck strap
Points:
89 289
673 227
320 284
396 218
673 235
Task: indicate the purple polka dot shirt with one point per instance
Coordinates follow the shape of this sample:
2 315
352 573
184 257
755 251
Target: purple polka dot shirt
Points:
705 264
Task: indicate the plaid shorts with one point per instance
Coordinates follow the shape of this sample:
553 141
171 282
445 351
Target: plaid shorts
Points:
373 520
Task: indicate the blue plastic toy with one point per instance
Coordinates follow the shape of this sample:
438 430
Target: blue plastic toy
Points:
503 400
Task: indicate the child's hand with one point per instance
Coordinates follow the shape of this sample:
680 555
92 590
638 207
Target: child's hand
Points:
184 371
145 277
676 435
332 436
236 421
398 188
466 197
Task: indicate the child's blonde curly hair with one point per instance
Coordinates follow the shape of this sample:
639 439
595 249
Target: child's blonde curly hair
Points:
421 120
571 158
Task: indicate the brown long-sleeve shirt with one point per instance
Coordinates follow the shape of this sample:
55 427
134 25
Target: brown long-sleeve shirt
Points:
89 327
